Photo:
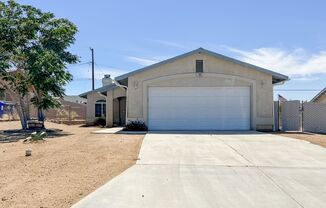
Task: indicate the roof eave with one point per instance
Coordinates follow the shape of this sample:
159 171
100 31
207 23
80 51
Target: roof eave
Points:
101 90
276 76
323 91
277 80
125 76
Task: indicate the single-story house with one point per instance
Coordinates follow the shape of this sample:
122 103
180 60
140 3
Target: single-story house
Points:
198 90
320 97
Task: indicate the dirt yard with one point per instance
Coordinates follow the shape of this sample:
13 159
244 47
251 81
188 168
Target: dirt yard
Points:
319 139
64 169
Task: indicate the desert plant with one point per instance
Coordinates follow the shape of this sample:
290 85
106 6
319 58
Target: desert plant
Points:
100 122
136 126
36 136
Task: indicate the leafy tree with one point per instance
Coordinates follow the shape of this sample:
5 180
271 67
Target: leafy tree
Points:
34 56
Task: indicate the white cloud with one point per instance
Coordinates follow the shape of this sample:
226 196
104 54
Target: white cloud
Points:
297 63
308 78
142 61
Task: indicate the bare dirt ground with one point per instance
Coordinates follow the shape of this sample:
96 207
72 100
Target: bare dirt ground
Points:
319 139
64 169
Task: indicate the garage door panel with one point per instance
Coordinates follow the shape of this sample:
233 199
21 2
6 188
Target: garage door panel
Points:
199 113
198 91
208 125
199 108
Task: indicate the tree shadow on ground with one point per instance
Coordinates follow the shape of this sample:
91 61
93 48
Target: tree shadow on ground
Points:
15 135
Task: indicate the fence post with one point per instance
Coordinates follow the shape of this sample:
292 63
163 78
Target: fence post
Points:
278 115
302 109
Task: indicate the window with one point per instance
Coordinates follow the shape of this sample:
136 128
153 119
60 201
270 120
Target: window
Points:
100 108
199 66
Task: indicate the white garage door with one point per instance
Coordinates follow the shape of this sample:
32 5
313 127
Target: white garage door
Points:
199 108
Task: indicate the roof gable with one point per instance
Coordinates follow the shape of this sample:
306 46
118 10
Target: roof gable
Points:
102 90
277 77
321 93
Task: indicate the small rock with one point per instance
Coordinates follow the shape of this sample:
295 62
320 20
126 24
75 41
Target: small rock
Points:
3 199
28 152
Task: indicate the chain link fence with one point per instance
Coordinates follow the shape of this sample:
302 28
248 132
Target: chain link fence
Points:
300 116
314 117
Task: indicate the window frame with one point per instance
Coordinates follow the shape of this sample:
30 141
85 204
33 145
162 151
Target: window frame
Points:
100 109
199 66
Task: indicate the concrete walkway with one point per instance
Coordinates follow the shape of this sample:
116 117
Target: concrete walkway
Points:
112 130
246 169
117 130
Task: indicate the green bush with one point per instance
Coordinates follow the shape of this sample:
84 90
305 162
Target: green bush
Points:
100 122
36 136
136 126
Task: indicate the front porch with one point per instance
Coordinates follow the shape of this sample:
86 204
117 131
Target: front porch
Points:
116 107
109 104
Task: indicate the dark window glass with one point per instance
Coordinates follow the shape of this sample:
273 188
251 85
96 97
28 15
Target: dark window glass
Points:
98 110
199 66
104 110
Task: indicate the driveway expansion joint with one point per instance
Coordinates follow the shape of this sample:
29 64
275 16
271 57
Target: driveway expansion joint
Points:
282 189
235 166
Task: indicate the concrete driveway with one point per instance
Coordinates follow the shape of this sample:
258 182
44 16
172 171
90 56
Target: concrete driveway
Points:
240 169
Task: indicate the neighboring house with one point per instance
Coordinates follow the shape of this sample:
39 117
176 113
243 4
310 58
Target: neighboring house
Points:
73 106
199 90
320 97
75 99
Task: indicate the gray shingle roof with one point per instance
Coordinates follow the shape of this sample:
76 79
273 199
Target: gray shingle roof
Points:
102 90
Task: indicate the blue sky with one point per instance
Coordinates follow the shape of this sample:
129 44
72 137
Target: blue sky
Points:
284 36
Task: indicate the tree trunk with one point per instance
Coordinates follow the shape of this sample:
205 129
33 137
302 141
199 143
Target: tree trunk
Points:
22 116
27 106
21 108
41 116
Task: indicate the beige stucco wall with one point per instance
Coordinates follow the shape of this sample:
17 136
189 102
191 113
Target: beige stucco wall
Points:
321 99
217 72
95 96
111 95
91 100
